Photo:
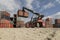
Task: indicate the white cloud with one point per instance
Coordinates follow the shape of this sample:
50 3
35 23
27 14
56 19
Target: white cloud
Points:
49 5
38 4
10 4
29 3
58 1
55 16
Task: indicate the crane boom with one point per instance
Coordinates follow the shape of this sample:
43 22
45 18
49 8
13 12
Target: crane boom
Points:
33 12
27 9
30 11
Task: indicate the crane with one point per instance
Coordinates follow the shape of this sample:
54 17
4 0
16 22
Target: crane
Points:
34 22
24 8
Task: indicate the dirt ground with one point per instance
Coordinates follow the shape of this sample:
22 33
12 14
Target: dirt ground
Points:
29 34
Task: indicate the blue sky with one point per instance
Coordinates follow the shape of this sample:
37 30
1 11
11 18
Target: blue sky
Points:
45 7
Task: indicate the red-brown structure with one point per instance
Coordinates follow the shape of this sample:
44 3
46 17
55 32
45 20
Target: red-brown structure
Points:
5 24
48 23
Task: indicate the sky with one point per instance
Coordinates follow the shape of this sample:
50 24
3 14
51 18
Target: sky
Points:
49 8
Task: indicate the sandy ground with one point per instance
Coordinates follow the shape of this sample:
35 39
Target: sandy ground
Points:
29 34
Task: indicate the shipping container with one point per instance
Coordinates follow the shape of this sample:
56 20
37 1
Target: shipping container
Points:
57 21
27 25
48 23
4 14
20 24
22 13
5 24
26 14
7 14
